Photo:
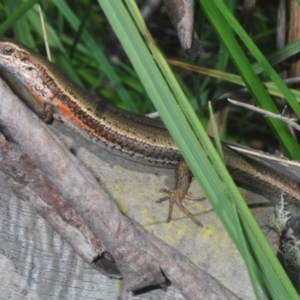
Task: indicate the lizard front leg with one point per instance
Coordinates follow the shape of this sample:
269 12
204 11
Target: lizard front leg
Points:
47 114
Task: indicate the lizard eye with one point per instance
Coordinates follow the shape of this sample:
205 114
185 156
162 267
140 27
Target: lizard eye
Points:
8 50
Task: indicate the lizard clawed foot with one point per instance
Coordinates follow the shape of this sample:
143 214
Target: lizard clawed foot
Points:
176 196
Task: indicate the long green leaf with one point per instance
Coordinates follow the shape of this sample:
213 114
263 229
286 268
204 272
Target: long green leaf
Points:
225 23
159 91
22 9
276 282
195 156
96 51
233 78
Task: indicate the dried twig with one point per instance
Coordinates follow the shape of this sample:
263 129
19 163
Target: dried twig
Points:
289 121
44 33
266 156
182 16
30 182
82 191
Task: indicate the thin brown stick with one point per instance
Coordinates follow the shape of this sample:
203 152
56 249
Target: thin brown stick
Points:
30 182
266 113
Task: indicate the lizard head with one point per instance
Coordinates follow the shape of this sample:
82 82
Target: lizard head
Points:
15 57
25 72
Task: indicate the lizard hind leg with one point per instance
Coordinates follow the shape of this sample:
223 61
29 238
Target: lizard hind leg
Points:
176 195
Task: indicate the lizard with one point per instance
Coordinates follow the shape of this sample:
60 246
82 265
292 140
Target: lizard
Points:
48 92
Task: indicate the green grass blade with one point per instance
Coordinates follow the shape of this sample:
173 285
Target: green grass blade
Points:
215 131
159 91
96 52
180 130
22 9
233 78
276 281
220 17
279 55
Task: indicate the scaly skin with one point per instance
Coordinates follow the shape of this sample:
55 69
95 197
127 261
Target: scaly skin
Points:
49 93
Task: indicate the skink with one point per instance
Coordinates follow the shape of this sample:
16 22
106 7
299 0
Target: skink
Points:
49 93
